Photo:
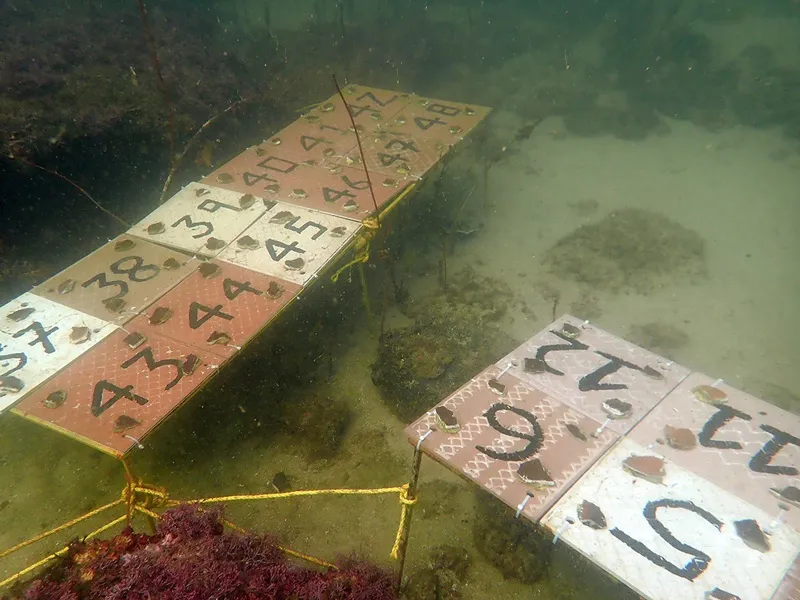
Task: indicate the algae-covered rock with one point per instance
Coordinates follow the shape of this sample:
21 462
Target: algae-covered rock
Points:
629 250
518 548
317 424
442 577
453 337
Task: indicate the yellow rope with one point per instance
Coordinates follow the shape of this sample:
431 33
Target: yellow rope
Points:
60 552
405 502
371 225
332 492
362 256
33 567
128 496
62 527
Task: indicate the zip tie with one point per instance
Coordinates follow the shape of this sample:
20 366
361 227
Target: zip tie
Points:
422 438
523 504
506 370
717 383
602 428
777 521
139 444
562 528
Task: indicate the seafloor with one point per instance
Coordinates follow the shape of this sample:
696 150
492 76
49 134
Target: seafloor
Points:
641 170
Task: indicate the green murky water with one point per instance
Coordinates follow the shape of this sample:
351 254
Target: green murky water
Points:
640 169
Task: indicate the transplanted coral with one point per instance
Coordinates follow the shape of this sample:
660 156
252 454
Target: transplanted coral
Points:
629 250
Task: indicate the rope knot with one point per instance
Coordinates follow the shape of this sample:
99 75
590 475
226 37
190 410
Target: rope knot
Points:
404 498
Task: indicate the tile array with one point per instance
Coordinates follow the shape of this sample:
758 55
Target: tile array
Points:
108 348
675 483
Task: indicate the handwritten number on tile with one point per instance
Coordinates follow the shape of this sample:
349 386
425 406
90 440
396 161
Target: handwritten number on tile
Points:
99 405
594 380
724 415
233 288
375 99
700 560
535 438
571 344
103 281
443 109
153 364
138 272
42 336
278 249
20 357
197 320
321 229
252 178
760 463
424 123
362 184
331 195
192 225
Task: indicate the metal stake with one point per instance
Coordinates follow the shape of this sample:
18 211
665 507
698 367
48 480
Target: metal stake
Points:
412 495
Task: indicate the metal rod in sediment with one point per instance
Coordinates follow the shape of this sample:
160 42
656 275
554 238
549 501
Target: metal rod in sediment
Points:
412 495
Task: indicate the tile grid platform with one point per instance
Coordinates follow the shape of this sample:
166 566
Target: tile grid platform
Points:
105 350
671 481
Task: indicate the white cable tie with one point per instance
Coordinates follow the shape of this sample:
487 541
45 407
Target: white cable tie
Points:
717 383
602 428
562 528
422 438
777 521
139 444
507 368
523 504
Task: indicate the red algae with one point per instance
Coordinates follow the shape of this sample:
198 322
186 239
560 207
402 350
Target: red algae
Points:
192 558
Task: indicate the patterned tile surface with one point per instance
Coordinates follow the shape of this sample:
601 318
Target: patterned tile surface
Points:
200 219
274 174
439 121
396 156
270 220
674 539
789 589
371 107
39 337
119 279
744 445
217 309
115 394
592 367
291 243
501 432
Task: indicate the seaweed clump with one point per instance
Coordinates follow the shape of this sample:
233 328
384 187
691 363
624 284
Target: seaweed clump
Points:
442 578
192 557
516 547
631 250
454 335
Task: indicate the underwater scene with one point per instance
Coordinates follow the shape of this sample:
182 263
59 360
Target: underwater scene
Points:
374 299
